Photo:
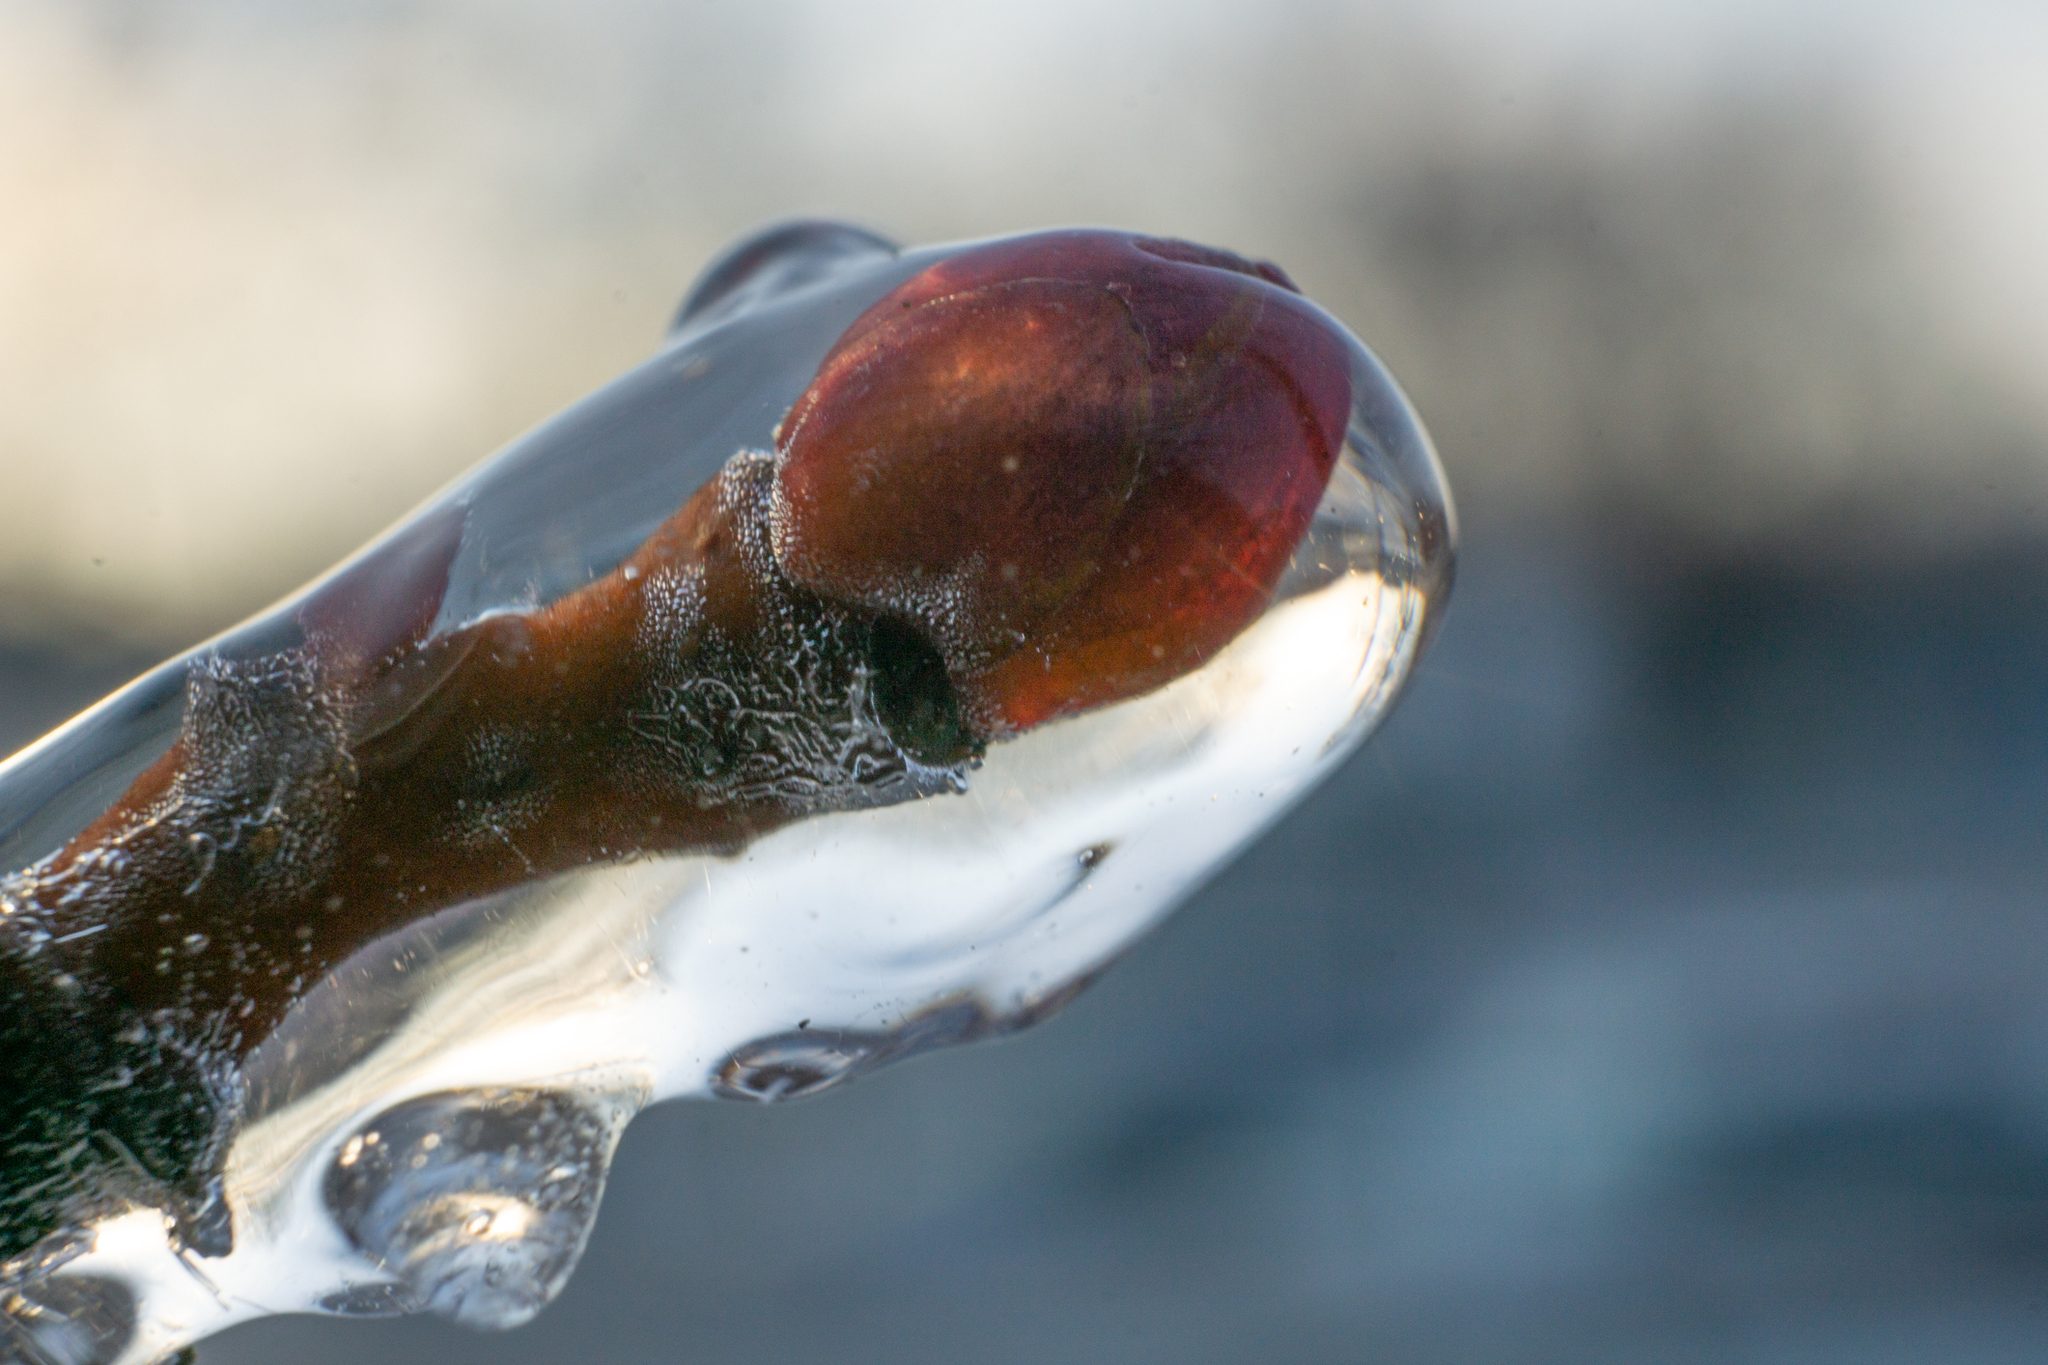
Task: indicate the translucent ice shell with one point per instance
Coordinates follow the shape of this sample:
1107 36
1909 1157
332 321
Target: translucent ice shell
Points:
859 675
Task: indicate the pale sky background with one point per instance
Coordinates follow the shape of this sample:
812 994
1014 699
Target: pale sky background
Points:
269 275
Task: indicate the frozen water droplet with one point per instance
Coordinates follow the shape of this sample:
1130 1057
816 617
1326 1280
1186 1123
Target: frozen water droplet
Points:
66 1320
774 262
479 1201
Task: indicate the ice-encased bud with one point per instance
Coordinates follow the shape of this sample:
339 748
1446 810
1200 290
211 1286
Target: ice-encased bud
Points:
478 1202
860 675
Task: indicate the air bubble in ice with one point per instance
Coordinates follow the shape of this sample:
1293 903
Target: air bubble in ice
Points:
382 1300
804 1061
791 1065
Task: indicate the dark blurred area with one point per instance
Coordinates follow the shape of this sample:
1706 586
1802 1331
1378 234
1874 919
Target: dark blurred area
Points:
1666 981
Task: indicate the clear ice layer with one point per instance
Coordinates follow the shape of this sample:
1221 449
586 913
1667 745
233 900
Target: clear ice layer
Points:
860 675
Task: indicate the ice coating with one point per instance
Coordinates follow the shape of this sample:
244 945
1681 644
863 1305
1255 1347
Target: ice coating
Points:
858 676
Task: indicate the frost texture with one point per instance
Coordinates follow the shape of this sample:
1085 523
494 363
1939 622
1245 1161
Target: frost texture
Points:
787 714
102 1115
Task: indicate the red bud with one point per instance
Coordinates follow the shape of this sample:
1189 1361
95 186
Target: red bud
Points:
1079 461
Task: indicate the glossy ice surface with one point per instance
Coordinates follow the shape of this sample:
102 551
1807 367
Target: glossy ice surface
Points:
859 675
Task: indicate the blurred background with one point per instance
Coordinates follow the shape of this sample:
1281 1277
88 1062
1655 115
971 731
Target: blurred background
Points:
1667 981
